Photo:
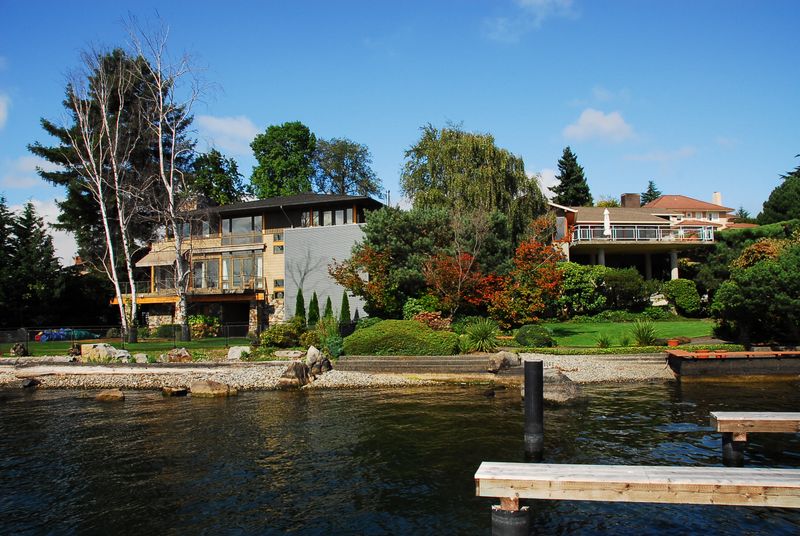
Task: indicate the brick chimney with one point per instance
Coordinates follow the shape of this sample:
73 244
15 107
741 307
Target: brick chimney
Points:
631 200
716 198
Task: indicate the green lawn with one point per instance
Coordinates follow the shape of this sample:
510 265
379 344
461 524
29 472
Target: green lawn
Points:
585 334
147 347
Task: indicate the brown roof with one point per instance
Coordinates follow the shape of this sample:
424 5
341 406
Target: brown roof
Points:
700 223
741 225
618 215
681 202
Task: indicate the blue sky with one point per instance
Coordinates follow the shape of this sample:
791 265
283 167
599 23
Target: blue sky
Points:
698 96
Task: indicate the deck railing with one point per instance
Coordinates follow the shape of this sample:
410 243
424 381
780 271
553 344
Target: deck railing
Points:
204 286
643 233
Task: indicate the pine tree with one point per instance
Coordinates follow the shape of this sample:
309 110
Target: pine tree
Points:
328 308
356 317
344 310
784 201
300 306
651 194
572 189
313 310
6 281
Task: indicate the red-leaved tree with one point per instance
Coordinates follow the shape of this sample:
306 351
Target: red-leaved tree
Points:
454 279
365 274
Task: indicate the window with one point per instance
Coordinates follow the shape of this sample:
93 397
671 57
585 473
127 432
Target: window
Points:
317 218
277 250
277 283
327 218
714 216
339 218
305 218
349 216
277 237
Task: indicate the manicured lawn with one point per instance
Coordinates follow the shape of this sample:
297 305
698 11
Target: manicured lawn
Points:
585 334
147 347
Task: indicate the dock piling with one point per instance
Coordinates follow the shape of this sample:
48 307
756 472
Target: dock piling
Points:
510 522
733 449
534 410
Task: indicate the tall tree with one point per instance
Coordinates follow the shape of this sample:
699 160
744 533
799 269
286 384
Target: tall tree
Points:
300 306
572 189
651 193
328 308
784 201
285 155
313 310
217 178
6 264
344 310
342 166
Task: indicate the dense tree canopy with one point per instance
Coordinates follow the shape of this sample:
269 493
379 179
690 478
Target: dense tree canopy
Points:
285 155
217 178
572 189
784 201
651 193
342 166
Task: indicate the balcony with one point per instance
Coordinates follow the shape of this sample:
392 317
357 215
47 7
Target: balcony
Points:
205 286
643 233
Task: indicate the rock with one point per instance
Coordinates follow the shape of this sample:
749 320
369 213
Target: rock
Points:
658 300
498 362
514 360
30 383
316 369
289 354
18 350
140 358
295 375
110 395
74 351
558 388
489 393
211 389
235 353
174 391
123 356
98 352
313 355
326 365
179 355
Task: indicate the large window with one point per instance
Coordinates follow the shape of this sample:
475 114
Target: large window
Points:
243 270
205 273
243 230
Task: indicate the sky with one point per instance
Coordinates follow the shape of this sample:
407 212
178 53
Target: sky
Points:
697 96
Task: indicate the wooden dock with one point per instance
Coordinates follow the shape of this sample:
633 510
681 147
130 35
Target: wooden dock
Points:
742 422
632 483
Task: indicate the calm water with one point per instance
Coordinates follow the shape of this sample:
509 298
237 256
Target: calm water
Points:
364 462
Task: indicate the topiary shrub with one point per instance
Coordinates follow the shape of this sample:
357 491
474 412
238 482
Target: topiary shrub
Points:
203 326
167 331
682 293
400 337
624 288
534 335
369 321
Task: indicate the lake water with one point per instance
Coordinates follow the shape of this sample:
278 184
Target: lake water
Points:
356 462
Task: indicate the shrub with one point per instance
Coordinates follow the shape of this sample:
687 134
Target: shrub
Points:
433 320
143 332
313 310
300 306
310 338
624 340
344 310
367 322
112 333
465 345
644 333
282 335
603 340
167 331
482 335
624 288
459 326
682 293
203 326
400 337
581 289
328 308
534 335
424 304
657 313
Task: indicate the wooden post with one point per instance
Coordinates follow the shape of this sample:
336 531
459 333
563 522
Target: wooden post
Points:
733 448
534 410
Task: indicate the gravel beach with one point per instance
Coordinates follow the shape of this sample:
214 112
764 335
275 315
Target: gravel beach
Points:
607 368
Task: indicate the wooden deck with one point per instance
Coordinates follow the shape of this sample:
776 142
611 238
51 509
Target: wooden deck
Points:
740 423
630 483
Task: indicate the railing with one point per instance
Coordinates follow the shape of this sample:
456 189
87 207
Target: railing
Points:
643 233
242 238
205 286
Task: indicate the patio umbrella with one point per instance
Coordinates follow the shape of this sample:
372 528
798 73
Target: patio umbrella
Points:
606 224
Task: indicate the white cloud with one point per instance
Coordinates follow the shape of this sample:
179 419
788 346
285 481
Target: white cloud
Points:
594 124
230 134
530 16
63 241
663 156
5 104
21 173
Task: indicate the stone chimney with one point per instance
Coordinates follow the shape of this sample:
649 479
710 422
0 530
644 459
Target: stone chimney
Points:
631 201
716 198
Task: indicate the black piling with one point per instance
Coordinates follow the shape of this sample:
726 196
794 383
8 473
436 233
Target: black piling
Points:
732 451
534 410
511 522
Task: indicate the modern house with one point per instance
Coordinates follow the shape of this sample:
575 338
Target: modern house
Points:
648 238
692 211
248 260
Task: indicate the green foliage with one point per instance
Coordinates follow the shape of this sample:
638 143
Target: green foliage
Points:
344 310
143 332
682 293
761 303
482 335
624 288
310 338
603 340
534 335
460 324
400 337
203 326
784 202
625 340
581 289
285 156
217 178
367 322
328 308
658 313
313 310
282 335
112 333
465 344
572 189
342 166
644 332
424 304
300 307
168 331
651 193
330 342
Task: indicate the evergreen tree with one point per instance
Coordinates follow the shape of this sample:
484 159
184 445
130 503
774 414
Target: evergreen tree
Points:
651 194
300 306
356 317
344 310
217 178
328 308
6 281
784 201
313 310
572 189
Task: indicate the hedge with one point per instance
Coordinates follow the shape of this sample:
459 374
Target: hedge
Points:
400 337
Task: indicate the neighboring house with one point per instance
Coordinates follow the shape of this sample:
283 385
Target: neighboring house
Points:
691 211
249 259
648 238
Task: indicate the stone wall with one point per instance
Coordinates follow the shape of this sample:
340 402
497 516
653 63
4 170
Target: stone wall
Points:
159 314
277 311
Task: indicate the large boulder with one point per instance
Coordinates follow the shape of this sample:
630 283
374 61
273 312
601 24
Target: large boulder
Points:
179 355
211 389
313 355
19 350
174 391
502 361
110 395
558 388
235 353
123 356
296 375
289 354
98 352
140 358
30 383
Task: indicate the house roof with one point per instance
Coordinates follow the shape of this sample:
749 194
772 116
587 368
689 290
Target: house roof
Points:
618 215
741 225
682 202
307 199
699 223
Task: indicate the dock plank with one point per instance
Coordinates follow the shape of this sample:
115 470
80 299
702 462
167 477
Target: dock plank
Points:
755 421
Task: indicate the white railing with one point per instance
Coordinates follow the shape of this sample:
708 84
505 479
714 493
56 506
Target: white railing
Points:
643 233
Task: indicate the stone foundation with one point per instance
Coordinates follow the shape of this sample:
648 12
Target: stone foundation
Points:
277 312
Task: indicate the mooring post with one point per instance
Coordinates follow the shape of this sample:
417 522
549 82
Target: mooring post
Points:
733 448
508 519
534 410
